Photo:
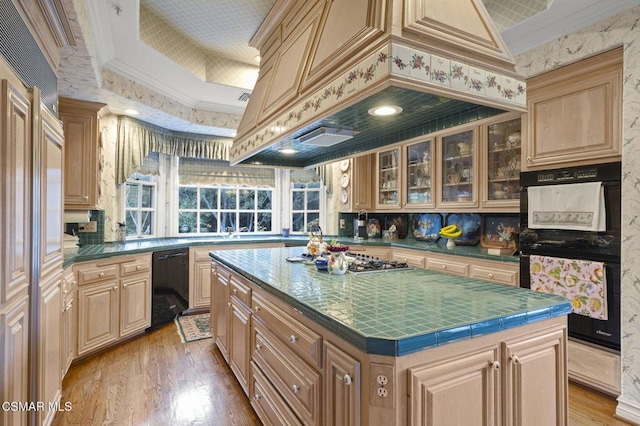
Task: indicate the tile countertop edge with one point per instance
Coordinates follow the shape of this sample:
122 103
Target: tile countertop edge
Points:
410 344
101 251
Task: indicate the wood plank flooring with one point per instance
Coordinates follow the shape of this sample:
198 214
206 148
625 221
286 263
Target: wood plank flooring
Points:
157 380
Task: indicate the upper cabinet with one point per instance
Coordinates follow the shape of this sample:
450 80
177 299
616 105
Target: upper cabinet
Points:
356 183
80 122
575 114
458 169
418 176
389 194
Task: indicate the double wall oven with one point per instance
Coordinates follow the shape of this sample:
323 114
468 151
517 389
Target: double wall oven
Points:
601 246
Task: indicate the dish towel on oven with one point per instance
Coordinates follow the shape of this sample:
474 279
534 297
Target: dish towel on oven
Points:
582 282
576 206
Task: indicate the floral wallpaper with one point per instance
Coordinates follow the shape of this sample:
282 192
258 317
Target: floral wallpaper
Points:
620 30
108 195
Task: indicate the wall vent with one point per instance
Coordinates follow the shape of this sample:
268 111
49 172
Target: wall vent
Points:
22 53
326 136
244 97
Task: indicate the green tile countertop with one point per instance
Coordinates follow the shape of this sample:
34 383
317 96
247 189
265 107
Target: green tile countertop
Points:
393 313
133 246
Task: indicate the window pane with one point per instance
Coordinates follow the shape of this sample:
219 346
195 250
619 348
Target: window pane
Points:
264 222
187 222
147 196
264 200
313 221
208 222
227 221
132 222
187 198
208 198
246 222
315 184
147 223
313 200
228 199
132 195
297 222
247 199
298 200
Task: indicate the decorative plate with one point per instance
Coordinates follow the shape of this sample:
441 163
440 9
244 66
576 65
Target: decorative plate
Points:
344 196
470 223
426 227
500 231
344 165
345 180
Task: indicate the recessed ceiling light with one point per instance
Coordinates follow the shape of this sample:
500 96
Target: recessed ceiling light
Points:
383 110
288 151
131 111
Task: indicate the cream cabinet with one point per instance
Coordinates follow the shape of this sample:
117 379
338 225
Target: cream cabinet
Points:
505 383
388 178
81 125
575 114
357 183
458 183
199 277
239 329
220 307
69 321
488 270
418 180
114 300
341 387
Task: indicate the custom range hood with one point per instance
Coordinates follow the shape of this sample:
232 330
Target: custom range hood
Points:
326 63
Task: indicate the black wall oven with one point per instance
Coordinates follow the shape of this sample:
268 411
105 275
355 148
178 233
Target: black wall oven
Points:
582 245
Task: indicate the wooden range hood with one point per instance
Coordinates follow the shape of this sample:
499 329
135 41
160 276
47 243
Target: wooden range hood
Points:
325 63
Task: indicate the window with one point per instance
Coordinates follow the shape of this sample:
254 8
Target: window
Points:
223 208
305 206
140 205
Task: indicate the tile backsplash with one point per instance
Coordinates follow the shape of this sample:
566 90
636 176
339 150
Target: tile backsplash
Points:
89 238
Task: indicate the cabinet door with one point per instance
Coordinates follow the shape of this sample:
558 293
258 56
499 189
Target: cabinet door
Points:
49 351
341 388
389 194
68 334
239 341
15 200
362 182
14 344
458 177
535 376
418 182
135 304
200 297
222 306
462 390
501 188
97 315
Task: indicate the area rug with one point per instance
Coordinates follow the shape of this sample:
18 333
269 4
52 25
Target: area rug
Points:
193 327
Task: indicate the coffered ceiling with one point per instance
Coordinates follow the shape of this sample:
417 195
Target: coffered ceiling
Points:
187 65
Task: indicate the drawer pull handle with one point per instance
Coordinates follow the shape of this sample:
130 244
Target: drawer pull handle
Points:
495 365
85 197
138 267
347 379
256 309
295 388
490 275
444 266
258 347
101 274
293 338
515 359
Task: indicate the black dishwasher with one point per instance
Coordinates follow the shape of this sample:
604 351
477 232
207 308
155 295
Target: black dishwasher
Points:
170 285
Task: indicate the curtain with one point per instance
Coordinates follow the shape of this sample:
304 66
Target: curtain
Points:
136 139
208 172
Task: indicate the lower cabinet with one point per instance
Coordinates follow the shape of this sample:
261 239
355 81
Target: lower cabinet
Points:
239 338
114 300
342 387
68 321
521 381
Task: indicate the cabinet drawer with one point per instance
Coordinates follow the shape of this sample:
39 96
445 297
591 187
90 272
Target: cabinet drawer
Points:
267 403
413 260
240 290
297 382
296 336
448 266
91 272
495 275
135 266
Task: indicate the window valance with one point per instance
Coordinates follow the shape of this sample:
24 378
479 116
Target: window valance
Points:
192 171
136 139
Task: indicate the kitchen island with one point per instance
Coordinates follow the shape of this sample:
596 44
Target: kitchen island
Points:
402 347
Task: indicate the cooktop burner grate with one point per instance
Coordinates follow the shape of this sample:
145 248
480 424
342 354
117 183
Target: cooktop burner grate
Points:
366 264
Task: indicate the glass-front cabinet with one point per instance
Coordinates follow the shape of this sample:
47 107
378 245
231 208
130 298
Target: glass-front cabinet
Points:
503 155
388 174
458 168
419 182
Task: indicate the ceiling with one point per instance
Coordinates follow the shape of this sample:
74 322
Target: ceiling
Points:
188 66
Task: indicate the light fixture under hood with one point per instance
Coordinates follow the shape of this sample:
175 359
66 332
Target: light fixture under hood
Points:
325 136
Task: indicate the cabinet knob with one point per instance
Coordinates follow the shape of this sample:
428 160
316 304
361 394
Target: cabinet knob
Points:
65 292
293 338
529 159
138 267
101 274
229 304
85 197
115 287
256 397
347 379
235 291
444 266
256 309
295 388
495 365
515 359
490 275
258 347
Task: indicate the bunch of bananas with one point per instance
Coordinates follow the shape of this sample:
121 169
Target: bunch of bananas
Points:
451 231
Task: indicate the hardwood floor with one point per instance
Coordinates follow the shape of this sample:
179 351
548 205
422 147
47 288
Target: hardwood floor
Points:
156 380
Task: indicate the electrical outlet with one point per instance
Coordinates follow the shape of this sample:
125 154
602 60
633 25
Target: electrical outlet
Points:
382 393
381 379
342 224
88 226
